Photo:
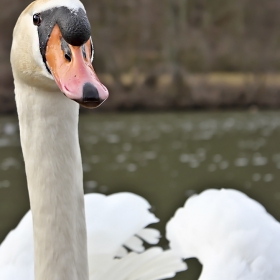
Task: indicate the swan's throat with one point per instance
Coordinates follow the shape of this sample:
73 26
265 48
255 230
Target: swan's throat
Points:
49 138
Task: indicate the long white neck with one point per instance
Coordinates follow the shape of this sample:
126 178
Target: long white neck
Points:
49 138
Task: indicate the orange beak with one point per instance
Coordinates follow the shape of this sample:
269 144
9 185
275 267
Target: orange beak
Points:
73 72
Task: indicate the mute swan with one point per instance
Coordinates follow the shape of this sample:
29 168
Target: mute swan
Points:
52 52
231 235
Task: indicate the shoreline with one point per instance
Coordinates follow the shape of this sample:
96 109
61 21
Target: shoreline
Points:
180 91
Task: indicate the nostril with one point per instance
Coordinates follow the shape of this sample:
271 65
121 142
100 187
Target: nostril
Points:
68 57
84 51
66 50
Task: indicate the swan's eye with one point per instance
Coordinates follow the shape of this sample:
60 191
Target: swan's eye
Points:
37 19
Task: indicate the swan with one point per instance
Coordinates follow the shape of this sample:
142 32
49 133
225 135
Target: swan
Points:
51 59
232 236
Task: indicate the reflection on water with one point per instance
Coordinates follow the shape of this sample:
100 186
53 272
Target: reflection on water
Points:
163 157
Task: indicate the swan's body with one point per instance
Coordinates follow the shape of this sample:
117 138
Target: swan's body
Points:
52 52
232 236
113 222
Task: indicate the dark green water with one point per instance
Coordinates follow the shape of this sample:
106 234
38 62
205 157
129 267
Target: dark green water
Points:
163 157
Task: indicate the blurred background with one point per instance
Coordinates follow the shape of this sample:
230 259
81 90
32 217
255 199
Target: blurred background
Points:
174 54
194 92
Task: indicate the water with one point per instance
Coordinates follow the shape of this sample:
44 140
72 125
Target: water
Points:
163 157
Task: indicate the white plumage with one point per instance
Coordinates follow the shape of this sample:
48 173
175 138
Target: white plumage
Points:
115 222
232 236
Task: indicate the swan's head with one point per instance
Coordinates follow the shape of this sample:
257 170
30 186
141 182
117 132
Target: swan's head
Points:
52 42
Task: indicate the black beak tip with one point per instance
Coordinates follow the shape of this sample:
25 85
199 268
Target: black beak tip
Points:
91 97
90 93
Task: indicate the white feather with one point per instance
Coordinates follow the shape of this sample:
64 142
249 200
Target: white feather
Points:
231 234
113 221
49 4
150 265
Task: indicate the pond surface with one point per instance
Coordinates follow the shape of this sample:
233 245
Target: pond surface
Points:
163 157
